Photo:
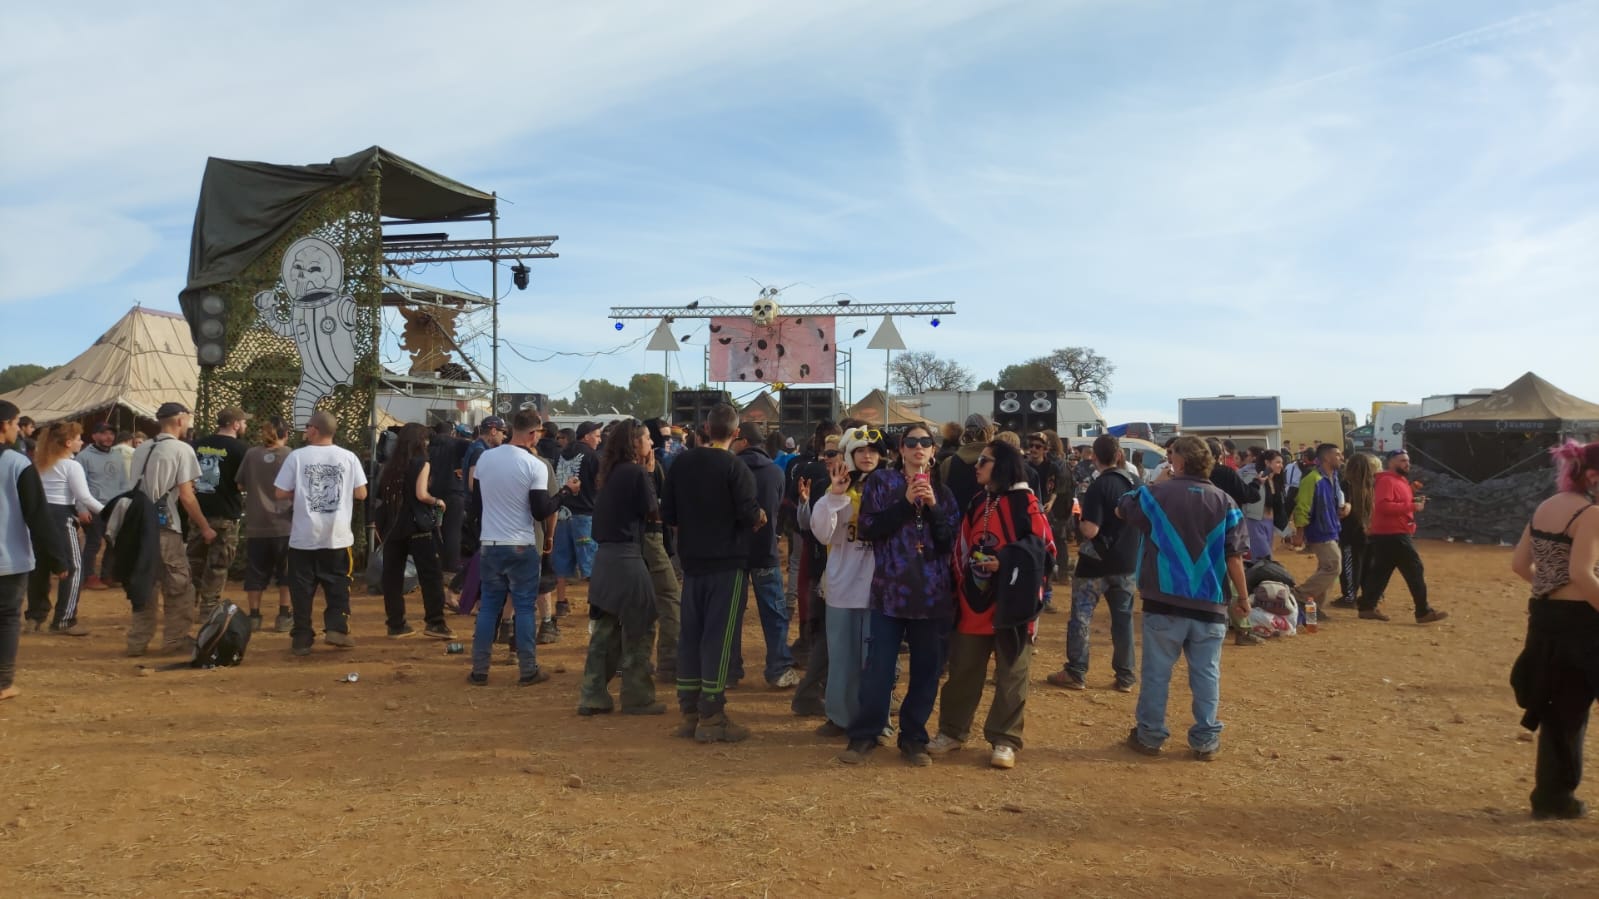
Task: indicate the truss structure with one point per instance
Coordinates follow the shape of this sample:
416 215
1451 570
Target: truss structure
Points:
473 381
850 309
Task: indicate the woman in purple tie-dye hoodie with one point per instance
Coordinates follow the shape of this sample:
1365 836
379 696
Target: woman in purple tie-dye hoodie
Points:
912 524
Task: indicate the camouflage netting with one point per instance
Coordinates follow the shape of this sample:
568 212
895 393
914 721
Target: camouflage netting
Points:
262 370
1492 512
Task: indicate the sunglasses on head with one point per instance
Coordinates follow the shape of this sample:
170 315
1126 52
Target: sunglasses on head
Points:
913 442
870 435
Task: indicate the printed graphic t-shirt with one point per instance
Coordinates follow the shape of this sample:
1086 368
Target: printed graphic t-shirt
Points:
324 480
220 458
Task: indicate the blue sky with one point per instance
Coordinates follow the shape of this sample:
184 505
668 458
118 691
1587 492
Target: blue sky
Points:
1337 202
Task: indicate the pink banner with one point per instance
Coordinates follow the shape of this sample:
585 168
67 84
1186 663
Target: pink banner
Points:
791 350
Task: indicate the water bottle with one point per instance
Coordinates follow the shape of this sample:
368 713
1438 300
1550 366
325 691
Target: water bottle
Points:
1310 616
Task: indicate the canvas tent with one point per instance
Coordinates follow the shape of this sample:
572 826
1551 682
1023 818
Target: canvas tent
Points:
762 409
1485 466
870 410
144 360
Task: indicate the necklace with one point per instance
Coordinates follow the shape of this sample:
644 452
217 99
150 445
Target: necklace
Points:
920 525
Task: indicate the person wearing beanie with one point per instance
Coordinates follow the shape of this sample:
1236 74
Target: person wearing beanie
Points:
847 582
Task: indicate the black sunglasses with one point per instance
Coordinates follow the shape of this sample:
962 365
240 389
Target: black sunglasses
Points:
984 460
912 442
829 454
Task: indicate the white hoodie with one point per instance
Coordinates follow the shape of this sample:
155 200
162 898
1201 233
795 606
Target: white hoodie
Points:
850 562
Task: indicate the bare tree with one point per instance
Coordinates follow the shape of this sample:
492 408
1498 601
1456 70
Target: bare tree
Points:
921 371
1083 370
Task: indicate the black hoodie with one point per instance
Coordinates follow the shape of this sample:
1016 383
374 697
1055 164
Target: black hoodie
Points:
710 499
585 462
769 495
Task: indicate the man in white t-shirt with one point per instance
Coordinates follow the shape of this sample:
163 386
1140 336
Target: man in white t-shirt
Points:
325 482
514 487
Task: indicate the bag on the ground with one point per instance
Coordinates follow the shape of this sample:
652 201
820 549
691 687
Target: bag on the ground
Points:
1267 570
1265 625
223 638
1277 598
374 572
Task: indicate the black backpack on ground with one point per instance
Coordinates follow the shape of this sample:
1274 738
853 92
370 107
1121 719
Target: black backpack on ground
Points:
223 638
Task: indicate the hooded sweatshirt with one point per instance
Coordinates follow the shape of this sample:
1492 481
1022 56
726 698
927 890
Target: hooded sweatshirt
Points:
851 561
1392 505
769 495
578 459
959 474
710 498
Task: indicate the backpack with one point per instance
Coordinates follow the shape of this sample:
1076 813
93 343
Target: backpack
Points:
961 479
1015 589
222 638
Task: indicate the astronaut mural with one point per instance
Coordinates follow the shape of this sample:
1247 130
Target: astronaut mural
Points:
319 318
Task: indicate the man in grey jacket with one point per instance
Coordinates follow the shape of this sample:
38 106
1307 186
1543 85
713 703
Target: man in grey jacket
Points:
107 473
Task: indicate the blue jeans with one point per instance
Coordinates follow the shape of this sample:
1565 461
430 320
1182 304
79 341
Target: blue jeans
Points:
574 547
505 570
1165 638
1118 592
846 659
925 637
774 623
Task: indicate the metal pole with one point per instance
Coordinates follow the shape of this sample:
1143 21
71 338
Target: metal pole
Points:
887 355
666 387
494 294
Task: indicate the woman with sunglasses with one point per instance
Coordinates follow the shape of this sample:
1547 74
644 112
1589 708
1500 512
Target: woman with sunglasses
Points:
847 583
911 522
996 518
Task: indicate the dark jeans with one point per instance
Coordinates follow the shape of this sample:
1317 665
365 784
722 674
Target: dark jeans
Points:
705 640
331 569
12 589
450 531
65 521
769 604
1384 553
424 551
507 571
925 637
1354 545
1573 677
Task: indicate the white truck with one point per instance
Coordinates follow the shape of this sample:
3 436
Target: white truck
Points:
1388 428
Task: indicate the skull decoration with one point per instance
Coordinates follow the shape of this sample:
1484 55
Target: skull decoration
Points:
766 311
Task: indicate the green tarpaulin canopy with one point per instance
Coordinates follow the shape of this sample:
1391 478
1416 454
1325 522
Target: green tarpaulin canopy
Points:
245 207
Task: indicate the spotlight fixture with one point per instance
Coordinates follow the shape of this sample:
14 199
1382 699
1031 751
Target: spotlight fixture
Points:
843 302
519 274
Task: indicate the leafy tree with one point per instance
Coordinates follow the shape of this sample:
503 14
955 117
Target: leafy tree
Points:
921 371
1081 369
1034 374
987 385
641 398
14 376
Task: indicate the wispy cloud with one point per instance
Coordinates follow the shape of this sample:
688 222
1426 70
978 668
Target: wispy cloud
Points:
1215 196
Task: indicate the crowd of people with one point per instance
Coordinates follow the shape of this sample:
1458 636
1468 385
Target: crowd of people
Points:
862 546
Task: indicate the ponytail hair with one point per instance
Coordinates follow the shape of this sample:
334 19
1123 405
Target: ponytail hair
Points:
1573 461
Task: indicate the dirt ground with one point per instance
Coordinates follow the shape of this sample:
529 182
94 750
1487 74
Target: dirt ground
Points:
1366 759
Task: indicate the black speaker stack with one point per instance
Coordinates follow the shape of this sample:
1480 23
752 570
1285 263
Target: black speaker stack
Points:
1025 411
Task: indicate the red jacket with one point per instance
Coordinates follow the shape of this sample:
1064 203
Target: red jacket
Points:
1393 509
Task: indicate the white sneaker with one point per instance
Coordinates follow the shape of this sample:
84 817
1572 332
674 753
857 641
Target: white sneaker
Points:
943 743
789 678
1003 757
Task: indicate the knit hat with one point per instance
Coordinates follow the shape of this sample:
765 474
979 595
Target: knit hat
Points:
854 439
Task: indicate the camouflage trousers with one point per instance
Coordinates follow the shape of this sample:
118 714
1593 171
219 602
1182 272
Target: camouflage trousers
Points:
613 652
209 563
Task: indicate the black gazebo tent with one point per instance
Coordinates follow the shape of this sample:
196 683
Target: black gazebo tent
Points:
1484 467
